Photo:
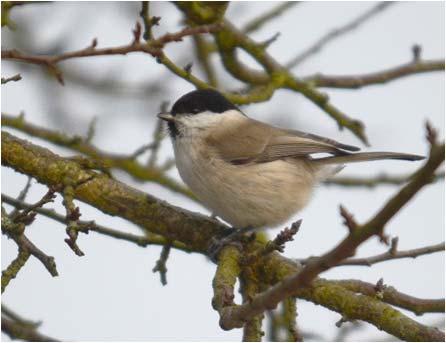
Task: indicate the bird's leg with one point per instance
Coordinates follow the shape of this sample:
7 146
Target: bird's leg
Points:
232 238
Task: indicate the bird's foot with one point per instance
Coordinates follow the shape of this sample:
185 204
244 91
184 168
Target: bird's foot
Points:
234 238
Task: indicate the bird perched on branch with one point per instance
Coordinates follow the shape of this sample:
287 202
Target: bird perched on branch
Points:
248 173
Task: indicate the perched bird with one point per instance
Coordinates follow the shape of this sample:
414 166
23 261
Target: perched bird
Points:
248 173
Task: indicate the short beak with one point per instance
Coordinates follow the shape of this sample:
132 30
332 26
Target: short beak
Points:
166 116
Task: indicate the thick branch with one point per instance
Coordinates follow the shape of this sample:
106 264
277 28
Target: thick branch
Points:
110 196
235 316
196 231
370 309
127 163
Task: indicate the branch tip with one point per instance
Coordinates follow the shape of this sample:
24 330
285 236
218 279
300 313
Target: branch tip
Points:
431 134
136 33
393 246
341 321
349 220
416 53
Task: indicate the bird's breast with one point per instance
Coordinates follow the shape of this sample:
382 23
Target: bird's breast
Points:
254 195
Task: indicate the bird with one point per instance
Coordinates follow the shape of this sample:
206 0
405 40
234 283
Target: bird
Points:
251 174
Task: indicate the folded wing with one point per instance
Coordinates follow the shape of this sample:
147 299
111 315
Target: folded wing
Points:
251 141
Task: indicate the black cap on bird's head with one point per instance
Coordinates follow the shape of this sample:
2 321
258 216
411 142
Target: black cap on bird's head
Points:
198 101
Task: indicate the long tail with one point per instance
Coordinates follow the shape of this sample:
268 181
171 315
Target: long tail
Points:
367 156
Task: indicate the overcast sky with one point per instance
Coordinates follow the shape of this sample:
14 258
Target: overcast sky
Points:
111 292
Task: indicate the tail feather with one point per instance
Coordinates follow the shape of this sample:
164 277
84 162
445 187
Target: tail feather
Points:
367 156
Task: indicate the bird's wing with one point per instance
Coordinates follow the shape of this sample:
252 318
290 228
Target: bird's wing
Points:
248 140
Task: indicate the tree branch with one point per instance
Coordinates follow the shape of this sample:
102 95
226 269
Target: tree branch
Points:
375 181
390 295
142 241
195 230
264 83
16 330
127 163
152 47
393 255
271 14
235 316
14 228
14 267
379 77
370 309
111 196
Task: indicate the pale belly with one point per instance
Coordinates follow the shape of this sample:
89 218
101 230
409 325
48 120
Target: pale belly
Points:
256 195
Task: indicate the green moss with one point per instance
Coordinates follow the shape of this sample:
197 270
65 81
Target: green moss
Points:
12 270
228 270
6 20
203 12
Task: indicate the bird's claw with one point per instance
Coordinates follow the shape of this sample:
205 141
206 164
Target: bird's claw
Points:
217 244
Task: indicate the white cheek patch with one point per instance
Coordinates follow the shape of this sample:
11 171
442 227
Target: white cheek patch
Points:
200 121
207 119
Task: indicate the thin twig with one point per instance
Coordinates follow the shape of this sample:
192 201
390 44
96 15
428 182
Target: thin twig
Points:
91 130
375 78
72 220
389 255
142 241
27 213
271 14
153 47
15 231
375 181
149 22
22 195
160 265
391 296
337 32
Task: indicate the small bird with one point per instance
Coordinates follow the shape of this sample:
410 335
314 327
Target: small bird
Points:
251 174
